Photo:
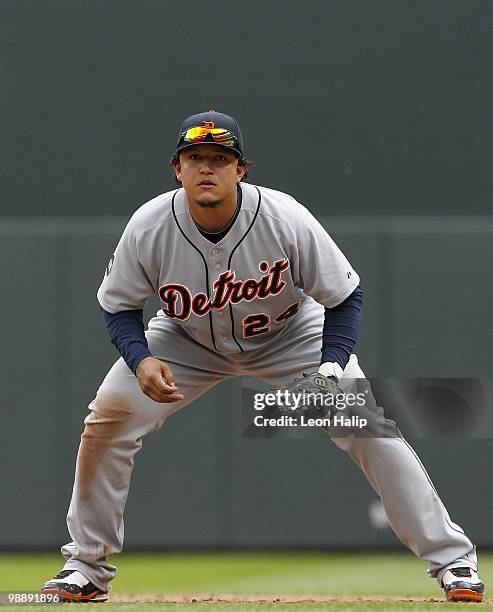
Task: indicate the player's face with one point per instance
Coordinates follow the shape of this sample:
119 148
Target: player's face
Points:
209 174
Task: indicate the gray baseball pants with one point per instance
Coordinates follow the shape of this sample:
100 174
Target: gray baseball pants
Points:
121 415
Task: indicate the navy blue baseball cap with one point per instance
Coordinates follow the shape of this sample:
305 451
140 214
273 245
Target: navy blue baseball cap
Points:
210 128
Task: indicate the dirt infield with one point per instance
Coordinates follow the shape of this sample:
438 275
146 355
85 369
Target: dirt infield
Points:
259 599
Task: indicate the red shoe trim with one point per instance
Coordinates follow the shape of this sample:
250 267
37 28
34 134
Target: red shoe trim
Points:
464 595
70 596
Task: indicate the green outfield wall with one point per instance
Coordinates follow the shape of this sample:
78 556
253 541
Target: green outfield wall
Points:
375 115
198 482
354 107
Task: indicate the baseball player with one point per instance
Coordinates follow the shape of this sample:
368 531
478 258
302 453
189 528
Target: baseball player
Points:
250 284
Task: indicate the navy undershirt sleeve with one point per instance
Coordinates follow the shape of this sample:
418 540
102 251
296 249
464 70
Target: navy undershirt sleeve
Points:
341 326
126 330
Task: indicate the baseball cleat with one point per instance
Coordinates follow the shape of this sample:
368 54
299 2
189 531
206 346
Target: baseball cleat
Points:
71 585
462 584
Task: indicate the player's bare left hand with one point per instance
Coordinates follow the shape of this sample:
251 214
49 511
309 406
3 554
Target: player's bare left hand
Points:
157 381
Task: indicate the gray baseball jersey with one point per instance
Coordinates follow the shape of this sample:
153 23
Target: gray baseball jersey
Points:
233 295
224 308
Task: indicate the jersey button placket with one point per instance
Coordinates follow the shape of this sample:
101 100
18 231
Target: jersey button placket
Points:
220 321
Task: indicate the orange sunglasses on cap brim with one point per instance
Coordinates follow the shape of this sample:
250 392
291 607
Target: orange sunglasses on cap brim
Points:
219 136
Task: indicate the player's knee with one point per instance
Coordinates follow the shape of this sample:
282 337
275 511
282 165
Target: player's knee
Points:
113 405
109 412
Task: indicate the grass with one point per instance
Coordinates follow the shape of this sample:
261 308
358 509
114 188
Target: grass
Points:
248 574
